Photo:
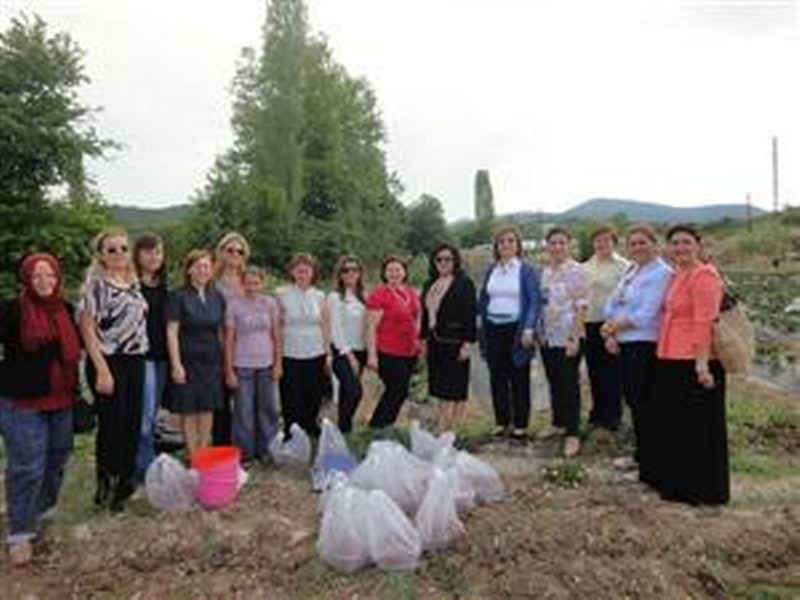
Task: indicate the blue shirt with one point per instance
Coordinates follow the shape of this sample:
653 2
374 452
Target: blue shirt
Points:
639 299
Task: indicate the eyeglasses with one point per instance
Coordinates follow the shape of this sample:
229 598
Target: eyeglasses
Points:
116 250
346 270
444 259
231 250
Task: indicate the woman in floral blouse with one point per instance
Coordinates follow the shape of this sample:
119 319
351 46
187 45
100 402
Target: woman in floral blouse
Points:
565 285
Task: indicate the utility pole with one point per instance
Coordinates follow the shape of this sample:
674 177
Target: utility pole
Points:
775 207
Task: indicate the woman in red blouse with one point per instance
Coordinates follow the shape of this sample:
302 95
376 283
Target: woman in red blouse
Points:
692 445
393 313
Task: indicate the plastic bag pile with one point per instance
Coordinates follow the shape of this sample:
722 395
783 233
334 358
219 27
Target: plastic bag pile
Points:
397 504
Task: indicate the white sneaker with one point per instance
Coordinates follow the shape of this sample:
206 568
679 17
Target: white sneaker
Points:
20 554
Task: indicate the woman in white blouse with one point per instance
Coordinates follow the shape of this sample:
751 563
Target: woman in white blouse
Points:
306 345
348 316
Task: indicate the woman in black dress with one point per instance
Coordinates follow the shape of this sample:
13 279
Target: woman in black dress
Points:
195 318
448 329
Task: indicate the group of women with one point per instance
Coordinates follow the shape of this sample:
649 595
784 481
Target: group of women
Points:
645 326
214 349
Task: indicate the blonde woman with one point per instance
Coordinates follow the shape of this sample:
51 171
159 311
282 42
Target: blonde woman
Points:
231 253
113 324
195 318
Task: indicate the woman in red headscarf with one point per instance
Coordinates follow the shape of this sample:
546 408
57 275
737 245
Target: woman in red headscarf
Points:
38 376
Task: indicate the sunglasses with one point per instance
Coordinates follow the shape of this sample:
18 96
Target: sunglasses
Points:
116 250
239 251
444 259
346 270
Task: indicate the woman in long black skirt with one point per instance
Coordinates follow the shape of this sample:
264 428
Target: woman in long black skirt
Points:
691 453
449 309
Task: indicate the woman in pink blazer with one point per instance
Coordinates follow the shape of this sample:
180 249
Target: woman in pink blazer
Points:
692 444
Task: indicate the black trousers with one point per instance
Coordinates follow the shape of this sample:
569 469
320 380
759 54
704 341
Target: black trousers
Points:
691 451
637 366
395 373
510 383
222 423
604 380
118 423
563 379
350 389
301 389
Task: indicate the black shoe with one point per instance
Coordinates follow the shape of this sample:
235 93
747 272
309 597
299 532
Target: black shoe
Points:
103 493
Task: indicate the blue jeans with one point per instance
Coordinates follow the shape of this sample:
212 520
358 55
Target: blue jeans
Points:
38 445
255 412
155 380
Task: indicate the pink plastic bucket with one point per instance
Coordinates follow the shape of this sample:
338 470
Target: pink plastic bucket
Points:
218 468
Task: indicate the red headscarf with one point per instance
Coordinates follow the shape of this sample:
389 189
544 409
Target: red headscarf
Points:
46 320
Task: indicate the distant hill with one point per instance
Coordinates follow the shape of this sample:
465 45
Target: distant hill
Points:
605 208
136 218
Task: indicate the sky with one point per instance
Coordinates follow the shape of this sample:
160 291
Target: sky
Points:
672 101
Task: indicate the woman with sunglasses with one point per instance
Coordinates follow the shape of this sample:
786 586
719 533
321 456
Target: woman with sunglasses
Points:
393 313
231 255
348 313
509 305
448 329
195 321
38 376
113 323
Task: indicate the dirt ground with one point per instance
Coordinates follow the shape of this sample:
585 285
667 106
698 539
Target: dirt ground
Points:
605 538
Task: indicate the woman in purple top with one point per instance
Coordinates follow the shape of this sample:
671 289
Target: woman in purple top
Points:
253 365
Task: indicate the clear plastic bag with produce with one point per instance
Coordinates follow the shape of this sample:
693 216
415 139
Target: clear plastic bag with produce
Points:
169 485
343 538
437 519
425 445
332 455
292 452
388 466
394 542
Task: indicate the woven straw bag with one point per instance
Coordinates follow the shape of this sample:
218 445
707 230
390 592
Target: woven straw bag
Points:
734 337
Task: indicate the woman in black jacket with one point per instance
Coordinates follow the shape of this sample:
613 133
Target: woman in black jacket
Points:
448 329
38 376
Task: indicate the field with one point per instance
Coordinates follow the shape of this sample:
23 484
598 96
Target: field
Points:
566 530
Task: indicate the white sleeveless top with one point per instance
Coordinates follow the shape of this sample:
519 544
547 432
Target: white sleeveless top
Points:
301 316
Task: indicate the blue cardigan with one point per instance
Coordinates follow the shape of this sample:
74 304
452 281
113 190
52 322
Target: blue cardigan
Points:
531 303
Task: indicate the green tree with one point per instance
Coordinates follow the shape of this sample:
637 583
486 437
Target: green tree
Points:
307 170
427 227
46 134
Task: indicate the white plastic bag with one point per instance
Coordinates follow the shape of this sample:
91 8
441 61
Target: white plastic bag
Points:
394 542
480 477
476 480
388 466
425 445
343 538
332 455
169 485
437 520
294 452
